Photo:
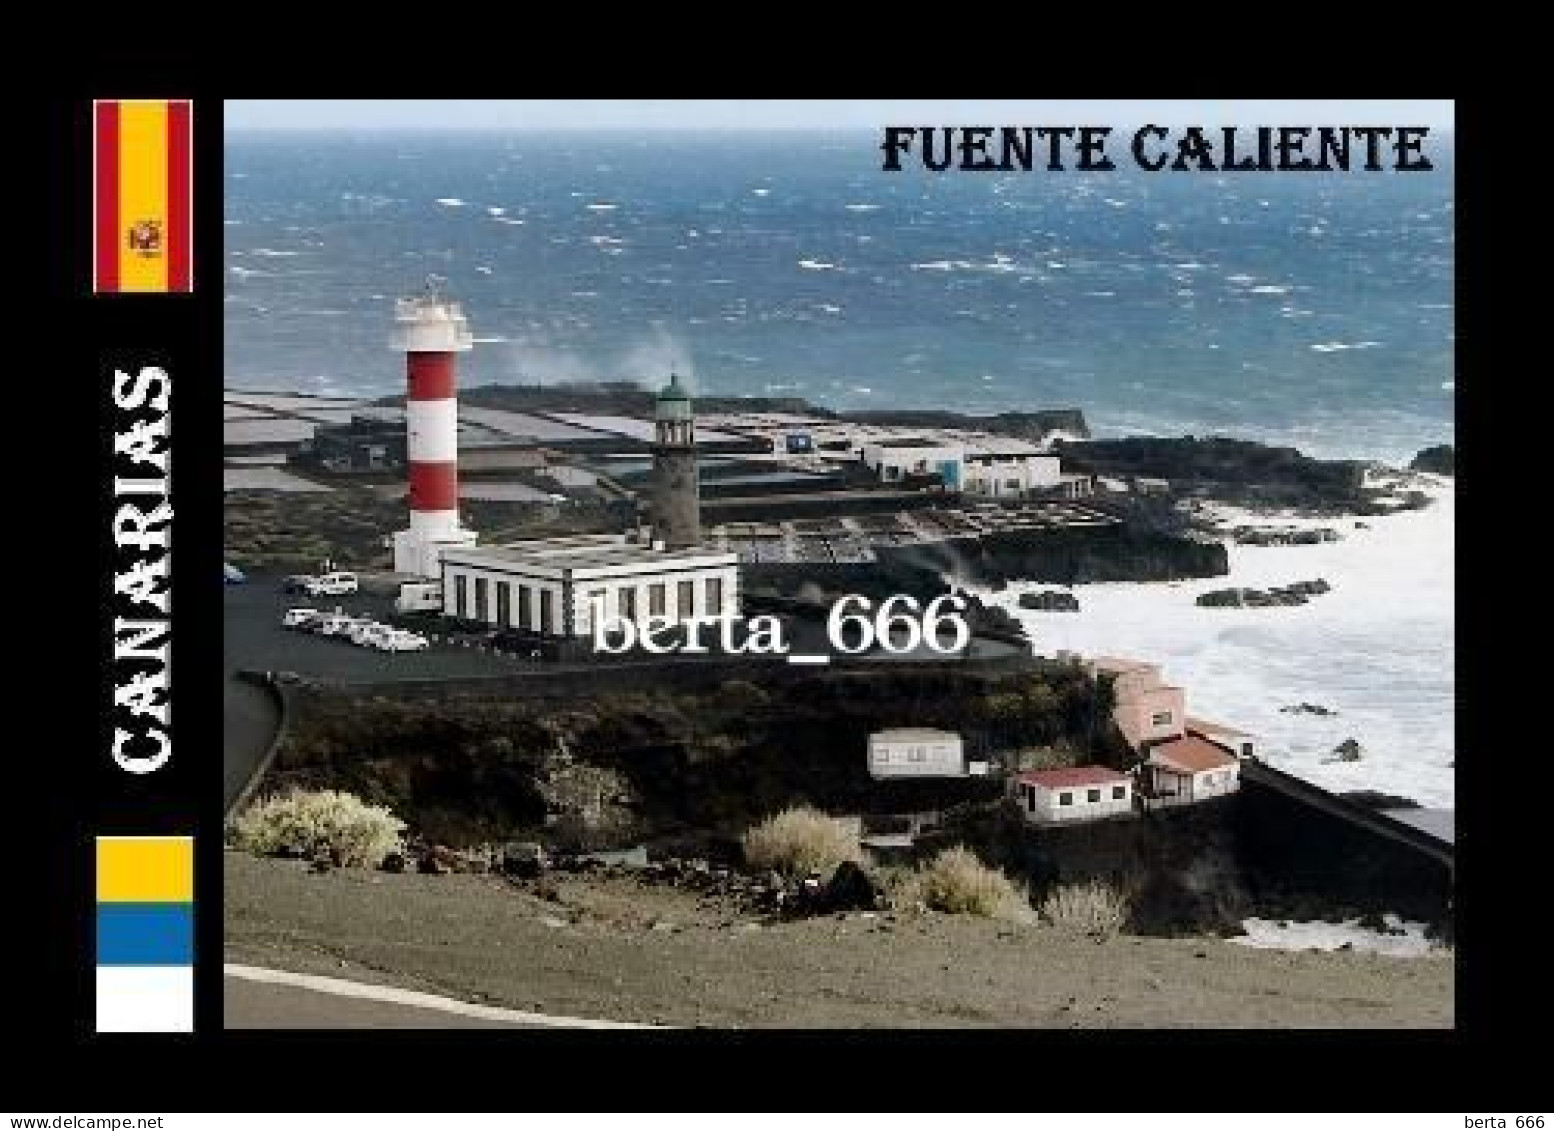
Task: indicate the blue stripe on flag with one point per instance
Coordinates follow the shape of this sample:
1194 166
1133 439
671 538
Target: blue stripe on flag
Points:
145 934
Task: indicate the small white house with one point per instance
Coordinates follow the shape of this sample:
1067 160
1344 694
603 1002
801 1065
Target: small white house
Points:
1190 769
917 752
1074 793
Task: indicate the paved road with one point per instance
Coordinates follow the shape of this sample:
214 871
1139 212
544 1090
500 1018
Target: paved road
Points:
250 719
256 998
255 640
250 1005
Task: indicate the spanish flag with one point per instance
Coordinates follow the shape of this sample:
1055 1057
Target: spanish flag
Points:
143 171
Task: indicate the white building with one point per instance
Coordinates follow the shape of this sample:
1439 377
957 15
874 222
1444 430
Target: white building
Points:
895 459
917 752
1010 469
1011 475
555 586
1190 769
1074 793
569 476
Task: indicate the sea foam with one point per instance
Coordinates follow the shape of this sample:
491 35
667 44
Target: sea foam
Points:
1378 650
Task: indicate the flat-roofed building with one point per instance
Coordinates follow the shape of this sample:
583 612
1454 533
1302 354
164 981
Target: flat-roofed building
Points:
1012 475
1147 710
916 752
897 459
557 586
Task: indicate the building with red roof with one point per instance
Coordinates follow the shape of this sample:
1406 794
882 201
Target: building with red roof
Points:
1187 770
1073 793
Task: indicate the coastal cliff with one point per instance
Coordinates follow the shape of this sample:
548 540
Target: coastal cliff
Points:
1068 556
1234 471
1439 460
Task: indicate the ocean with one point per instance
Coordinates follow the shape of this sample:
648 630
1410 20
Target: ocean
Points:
1314 310
1309 309
1378 651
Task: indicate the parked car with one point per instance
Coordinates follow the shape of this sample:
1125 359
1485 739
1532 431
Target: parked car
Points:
334 624
296 583
401 640
231 575
332 584
365 630
300 618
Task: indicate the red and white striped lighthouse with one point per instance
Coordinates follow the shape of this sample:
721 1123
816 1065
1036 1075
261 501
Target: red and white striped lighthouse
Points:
431 331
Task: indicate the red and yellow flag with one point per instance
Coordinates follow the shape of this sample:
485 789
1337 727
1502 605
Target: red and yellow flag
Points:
144 171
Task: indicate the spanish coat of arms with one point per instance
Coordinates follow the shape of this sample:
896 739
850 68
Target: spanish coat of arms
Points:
145 237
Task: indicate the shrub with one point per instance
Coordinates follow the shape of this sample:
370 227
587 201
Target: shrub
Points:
801 840
307 823
1095 908
957 883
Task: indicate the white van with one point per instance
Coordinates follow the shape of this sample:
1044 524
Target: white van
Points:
332 584
399 640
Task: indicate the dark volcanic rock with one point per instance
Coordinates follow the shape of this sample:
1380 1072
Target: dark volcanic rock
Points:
851 889
523 859
1374 799
1296 594
1347 751
1308 588
1263 536
1221 598
1240 471
1438 460
1050 600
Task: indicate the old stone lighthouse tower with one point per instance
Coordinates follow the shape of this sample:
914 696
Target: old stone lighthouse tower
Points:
676 502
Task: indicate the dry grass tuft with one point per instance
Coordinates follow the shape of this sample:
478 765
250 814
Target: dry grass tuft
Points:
801 840
309 823
1096 909
957 883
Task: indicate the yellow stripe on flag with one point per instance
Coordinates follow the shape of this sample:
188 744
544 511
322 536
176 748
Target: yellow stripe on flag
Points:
142 193
153 869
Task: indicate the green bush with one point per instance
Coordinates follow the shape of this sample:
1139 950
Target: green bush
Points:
310 823
957 883
1095 909
801 840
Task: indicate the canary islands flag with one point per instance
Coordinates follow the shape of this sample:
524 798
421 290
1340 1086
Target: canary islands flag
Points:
143 170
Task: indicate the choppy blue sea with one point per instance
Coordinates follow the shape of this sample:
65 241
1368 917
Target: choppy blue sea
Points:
1311 309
